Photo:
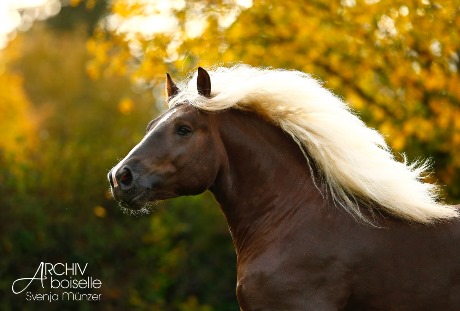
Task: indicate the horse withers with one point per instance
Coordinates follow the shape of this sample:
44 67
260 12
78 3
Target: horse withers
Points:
321 215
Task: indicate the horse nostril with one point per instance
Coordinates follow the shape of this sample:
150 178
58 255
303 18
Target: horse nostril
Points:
125 177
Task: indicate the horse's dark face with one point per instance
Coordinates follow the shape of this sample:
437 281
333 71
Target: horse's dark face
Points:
177 156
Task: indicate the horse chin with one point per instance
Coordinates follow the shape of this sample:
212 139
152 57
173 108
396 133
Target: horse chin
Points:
144 200
138 202
140 211
141 200
139 208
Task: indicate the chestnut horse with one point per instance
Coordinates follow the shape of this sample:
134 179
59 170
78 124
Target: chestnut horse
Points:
321 215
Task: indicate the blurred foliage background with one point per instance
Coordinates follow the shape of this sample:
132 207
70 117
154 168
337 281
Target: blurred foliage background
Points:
77 90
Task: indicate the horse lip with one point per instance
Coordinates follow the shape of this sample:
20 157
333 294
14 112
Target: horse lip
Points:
137 202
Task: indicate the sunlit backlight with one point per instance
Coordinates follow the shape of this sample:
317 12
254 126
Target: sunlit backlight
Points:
20 14
158 17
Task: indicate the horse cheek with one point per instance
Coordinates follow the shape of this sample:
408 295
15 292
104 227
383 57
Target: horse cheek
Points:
199 175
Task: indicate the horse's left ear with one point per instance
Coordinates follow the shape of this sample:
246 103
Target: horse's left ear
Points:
203 83
171 88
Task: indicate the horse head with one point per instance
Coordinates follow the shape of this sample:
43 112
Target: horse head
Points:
177 156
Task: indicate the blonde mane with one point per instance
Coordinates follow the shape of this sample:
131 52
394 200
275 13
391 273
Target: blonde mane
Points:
354 160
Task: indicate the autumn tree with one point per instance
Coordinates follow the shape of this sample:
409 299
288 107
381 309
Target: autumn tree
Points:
60 133
396 62
17 120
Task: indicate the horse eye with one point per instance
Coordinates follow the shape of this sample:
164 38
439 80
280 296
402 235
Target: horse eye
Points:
183 131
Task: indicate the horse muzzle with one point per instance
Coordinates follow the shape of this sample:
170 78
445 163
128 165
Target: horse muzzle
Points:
122 178
124 189
133 190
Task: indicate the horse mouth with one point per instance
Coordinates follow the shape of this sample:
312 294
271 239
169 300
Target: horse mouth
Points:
139 200
143 198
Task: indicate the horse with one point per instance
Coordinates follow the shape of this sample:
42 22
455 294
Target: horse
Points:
321 214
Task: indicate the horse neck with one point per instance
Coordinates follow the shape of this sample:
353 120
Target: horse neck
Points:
264 183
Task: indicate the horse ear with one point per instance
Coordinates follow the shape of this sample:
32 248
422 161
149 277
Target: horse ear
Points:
203 83
171 88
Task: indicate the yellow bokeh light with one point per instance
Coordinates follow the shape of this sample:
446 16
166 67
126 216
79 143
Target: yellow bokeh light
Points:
126 105
100 211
